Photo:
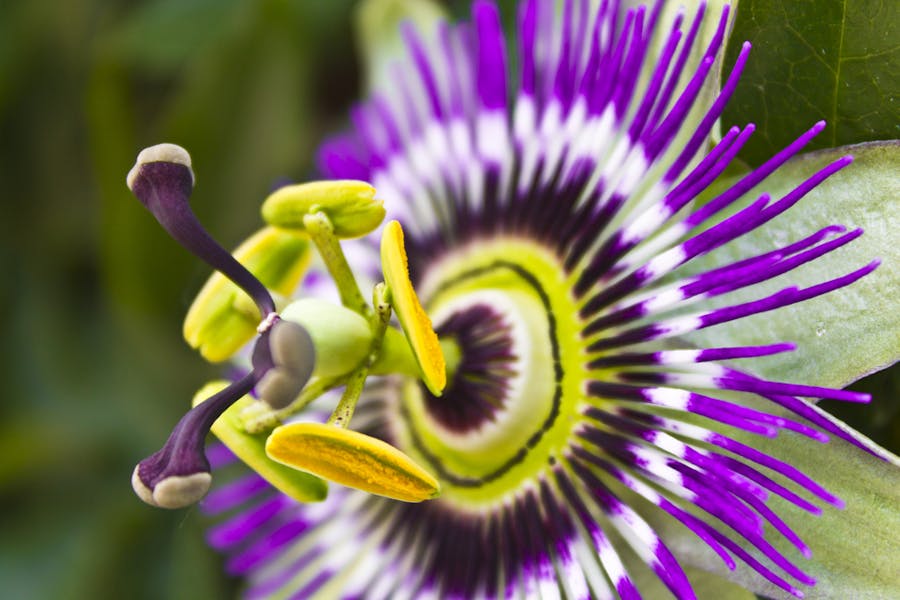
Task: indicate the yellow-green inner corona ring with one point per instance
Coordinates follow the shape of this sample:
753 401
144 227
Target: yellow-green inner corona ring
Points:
526 285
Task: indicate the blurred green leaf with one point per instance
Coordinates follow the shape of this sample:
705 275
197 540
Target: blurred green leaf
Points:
836 60
242 106
96 373
162 35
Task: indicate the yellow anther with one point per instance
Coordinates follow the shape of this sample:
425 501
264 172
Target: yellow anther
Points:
353 459
223 318
350 205
415 322
251 449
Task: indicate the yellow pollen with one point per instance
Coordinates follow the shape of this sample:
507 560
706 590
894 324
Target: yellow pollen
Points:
415 322
353 459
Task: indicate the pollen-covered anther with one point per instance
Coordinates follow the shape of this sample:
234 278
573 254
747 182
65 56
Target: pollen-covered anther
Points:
353 459
413 319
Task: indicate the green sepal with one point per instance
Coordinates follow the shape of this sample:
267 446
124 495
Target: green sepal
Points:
342 337
350 205
704 583
251 449
222 319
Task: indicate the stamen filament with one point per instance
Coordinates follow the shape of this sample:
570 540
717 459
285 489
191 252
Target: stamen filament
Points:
321 231
343 412
260 417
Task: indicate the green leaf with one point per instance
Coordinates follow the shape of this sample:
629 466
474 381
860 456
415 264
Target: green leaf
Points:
855 551
880 419
704 583
846 334
811 60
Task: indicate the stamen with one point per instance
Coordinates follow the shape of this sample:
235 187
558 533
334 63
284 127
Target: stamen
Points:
416 324
162 179
350 205
247 447
352 459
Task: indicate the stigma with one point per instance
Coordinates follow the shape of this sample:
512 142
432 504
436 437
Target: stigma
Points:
283 356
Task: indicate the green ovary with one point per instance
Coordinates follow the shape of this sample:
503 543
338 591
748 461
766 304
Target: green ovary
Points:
527 285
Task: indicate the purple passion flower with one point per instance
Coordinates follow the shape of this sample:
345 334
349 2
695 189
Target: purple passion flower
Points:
549 193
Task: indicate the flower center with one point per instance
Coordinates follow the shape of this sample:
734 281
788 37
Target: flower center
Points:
509 408
487 369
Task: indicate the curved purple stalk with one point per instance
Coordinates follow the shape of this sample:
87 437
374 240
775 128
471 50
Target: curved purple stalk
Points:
162 180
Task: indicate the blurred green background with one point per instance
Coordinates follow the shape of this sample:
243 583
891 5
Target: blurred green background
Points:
96 372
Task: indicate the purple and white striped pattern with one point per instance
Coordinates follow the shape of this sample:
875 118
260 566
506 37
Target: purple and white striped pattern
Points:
573 152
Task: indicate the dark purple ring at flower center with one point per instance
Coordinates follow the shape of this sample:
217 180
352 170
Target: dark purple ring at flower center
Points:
479 387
